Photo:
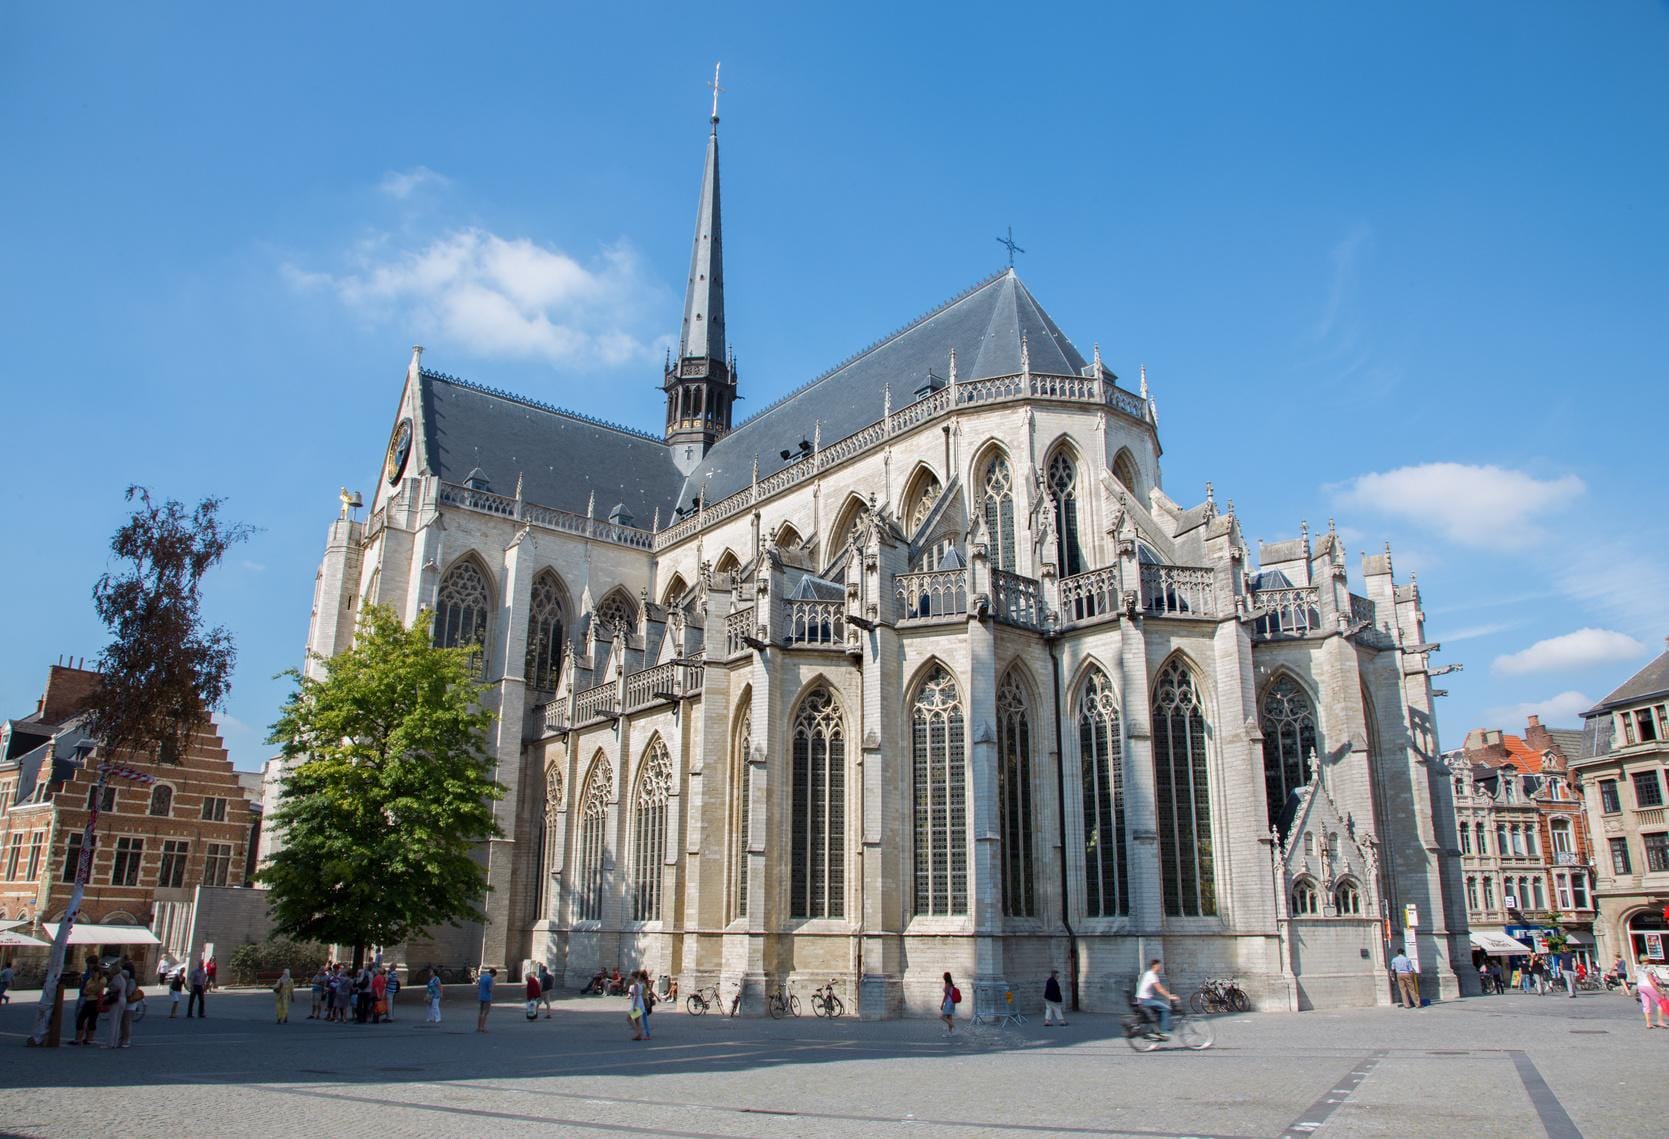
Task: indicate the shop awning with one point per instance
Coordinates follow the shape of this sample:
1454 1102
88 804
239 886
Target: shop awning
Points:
1579 939
12 939
12 923
1498 944
91 933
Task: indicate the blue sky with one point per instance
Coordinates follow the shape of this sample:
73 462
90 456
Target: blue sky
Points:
1404 265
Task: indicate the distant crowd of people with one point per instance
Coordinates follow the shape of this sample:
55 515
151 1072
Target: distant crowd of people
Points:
342 993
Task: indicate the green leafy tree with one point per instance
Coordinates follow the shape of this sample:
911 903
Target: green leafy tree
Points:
390 793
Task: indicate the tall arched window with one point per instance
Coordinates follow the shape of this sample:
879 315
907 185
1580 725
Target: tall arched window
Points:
1124 469
1106 880
1347 898
461 609
1014 798
544 633
741 797
997 491
675 590
1287 721
162 800
919 503
592 840
817 873
547 840
654 785
1187 877
940 776
1063 494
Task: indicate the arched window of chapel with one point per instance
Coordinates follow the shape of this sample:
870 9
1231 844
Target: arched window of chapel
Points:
1187 865
1287 720
919 501
817 846
939 772
615 616
1125 470
997 501
1014 798
462 609
1062 477
599 788
654 787
544 633
741 797
1101 770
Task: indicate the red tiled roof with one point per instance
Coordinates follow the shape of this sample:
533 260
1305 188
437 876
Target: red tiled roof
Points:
1520 755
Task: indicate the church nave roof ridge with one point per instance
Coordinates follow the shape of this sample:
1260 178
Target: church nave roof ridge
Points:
540 405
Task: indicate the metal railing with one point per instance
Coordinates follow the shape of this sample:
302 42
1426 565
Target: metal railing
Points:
1179 591
1095 595
1016 600
936 593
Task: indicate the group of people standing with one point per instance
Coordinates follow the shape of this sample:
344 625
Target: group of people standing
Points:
364 995
112 990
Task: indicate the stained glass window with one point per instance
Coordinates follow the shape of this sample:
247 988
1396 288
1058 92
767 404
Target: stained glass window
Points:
593 833
817 875
1106 880
998 491
654 785
1187 875
1014 798
1287 721
940 779
1063 492
544 634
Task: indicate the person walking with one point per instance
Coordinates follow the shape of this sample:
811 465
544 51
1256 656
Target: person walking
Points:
199 980
637 1005
484 994
1052 1000
1495 976
1652 1001
6 976
176 985
648 1001
282 991
92 1000
1567 970
1408 982
431 991
546 983
947 1005
1538 974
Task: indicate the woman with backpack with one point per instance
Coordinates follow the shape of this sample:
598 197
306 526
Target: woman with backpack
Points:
947 1006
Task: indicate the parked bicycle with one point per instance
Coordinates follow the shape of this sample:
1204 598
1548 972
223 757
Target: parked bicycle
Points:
824 1002
701 1000
1141 1028
782 1003
1216 995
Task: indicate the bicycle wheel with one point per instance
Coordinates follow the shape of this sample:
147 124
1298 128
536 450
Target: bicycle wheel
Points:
1239 1001
794 1005
1196 1003
836 1008
696 1005
1139 1038
1193 1034
777 1008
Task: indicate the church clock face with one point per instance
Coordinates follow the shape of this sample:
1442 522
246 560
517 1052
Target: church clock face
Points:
399 450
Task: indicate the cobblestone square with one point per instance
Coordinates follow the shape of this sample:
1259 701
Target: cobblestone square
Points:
1517 1065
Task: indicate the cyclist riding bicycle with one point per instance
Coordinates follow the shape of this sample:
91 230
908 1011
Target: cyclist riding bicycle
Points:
1152 994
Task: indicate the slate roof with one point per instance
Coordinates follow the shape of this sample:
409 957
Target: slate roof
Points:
1653 680
562 457
983 325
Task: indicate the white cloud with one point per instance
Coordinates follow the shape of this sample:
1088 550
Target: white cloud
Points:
400 184
1581 649
1565 708
1619 580
1487 507
1473 632
502 296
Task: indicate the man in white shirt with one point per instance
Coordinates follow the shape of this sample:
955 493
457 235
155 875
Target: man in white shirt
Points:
1152 993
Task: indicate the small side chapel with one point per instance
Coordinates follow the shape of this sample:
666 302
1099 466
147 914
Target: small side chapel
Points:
919 668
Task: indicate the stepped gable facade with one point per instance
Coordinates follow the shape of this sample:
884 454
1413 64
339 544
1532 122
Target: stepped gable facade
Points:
919 668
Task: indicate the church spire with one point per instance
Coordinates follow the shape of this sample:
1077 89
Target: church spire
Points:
700 384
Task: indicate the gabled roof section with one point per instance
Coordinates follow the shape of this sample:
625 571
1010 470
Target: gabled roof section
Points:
562 457
1653 680
983 326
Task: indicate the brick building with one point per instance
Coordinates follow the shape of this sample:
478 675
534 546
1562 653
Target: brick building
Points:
155 842
1523 838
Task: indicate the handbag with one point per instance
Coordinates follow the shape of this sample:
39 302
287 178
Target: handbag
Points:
532 1010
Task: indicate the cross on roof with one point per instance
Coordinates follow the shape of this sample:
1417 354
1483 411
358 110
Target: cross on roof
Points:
1009 241
717 91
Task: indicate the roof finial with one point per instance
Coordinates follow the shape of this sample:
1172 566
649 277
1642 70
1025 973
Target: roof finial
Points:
717 90
886 401
1026 357
591 505
953 367
1013 248
416 365
1144 381
1098 359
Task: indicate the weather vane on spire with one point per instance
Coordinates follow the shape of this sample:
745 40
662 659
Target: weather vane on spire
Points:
717 91
1008 241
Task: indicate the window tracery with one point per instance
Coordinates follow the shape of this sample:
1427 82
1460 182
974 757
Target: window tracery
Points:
997 487
544 633
1063 494
817 875
742 797
1289 740
462 610
615 617
1014 798
593 833
1305 901
1187 870
1100 753
654 787
939 770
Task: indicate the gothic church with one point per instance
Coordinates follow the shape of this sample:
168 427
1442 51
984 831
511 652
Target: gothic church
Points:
919 668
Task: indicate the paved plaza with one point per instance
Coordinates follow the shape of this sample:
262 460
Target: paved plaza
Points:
1515 1065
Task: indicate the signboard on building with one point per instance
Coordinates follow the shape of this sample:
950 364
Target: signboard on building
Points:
1411 916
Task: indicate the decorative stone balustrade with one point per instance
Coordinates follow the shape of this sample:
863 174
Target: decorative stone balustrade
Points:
595 703
652 685
1095 595
937 593
819 623
738 627
1016 600
1291 612
374 524
556 716
1179 591
455 494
